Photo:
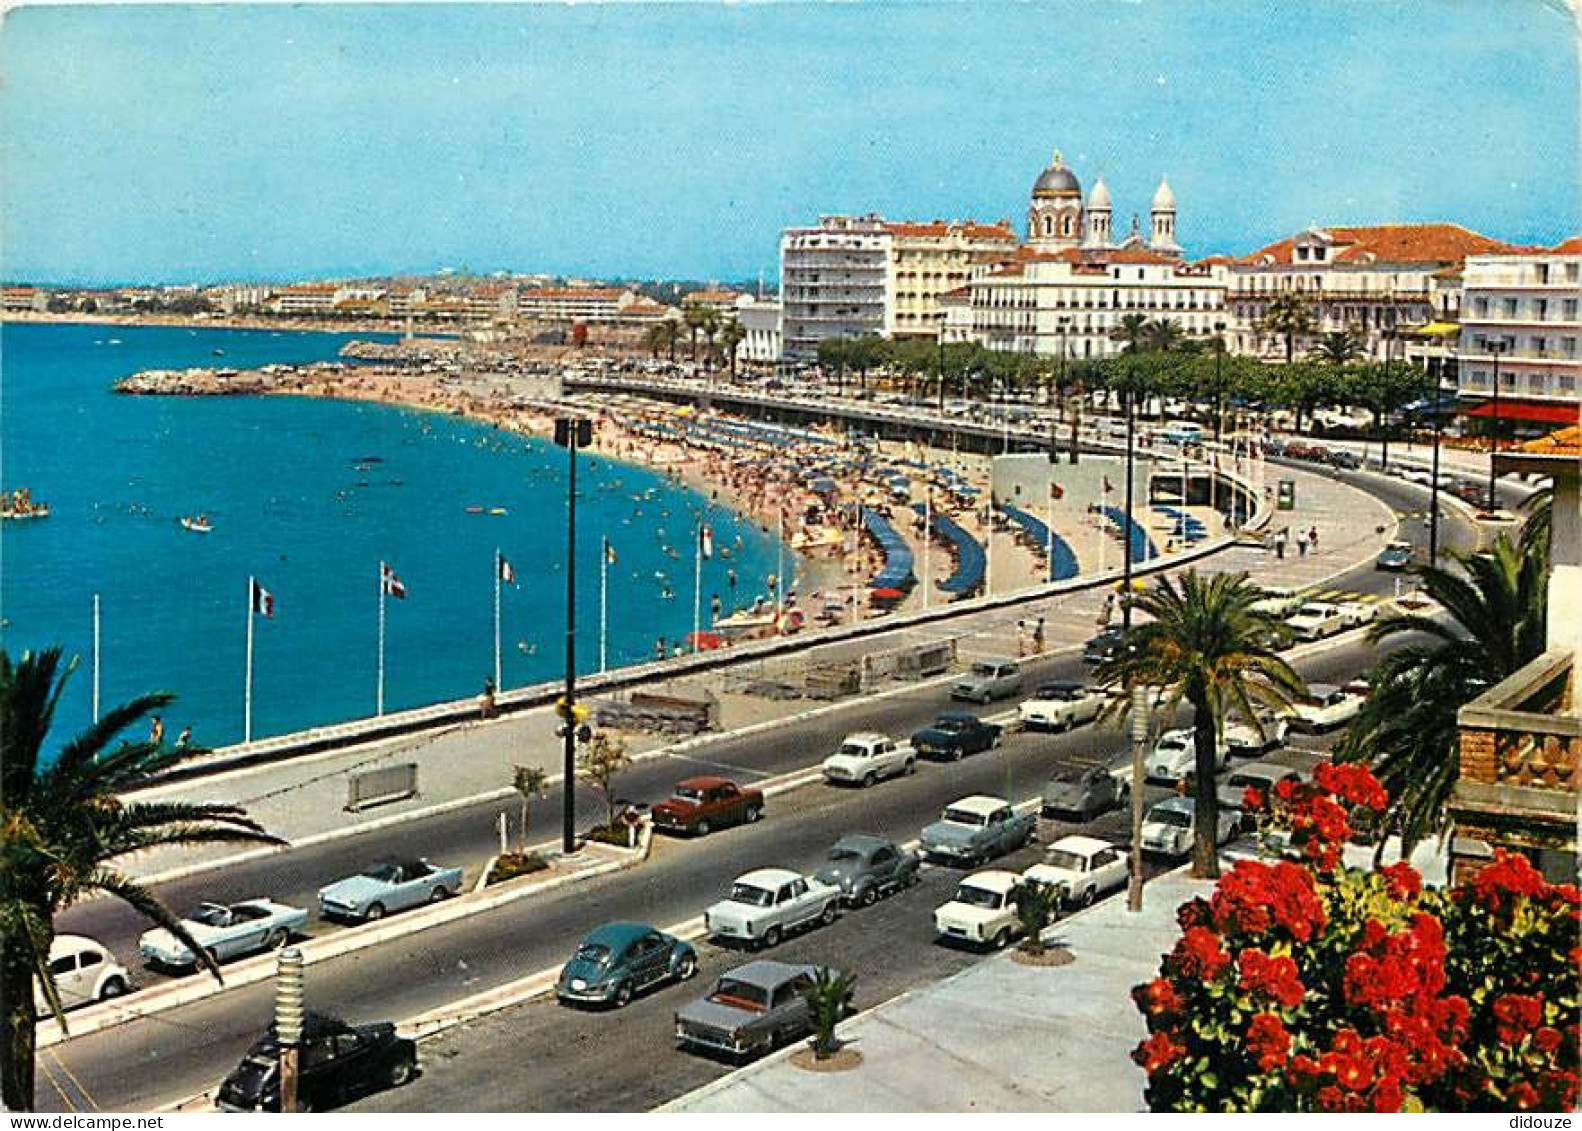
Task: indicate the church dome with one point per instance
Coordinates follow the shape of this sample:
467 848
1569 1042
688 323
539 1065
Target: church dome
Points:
1057 180
1163 198
1101 195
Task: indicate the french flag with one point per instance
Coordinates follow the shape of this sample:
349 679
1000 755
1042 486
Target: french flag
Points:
263 601
391 583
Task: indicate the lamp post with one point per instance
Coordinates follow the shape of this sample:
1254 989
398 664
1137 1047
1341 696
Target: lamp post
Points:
1126 535
1219 380
1494 349
1139 737
570 433
1436 368
1384 403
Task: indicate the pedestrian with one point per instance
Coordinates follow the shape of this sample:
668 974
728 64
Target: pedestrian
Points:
486 700
1038 637
730 578
1279 545
714 609
1312 536
659 649
156 731
184 739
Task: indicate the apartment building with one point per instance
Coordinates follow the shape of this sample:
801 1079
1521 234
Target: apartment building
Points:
834 282
929 260
760 319
1523 305
574 304
1371 281
24 298
304 299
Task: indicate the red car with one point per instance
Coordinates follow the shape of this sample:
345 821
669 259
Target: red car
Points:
701 805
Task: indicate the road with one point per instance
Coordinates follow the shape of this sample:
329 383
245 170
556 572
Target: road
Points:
154 1060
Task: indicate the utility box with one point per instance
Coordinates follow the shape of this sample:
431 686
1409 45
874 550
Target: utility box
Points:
1285 495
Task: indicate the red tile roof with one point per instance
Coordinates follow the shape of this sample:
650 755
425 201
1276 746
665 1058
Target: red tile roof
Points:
715 297
1389 243
609 294
1572 246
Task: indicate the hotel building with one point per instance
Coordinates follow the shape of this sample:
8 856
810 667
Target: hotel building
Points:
1524 304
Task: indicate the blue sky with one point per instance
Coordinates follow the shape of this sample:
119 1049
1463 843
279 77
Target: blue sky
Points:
202 143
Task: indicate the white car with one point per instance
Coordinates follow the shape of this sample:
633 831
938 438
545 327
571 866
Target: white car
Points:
981 910
1061 705
1175 755
764 904
1327 708
1242 738
1081 868
867 757
1262 776
1318 619
84 972
1170 827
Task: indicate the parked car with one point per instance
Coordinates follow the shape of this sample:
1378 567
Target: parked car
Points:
84 972
391 886
701 805
1326 708
1084 792
988 680
766 903
867 867
975 829
618 960
1278 602
1242 738
1262 776
1105 646
981 910
1175 755
1081 868
1396 556
1351 461
750 1010
226 931
336 1062
954 735
1318 619
1170 826
867 757
1062 705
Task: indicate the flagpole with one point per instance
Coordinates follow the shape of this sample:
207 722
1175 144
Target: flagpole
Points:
247 687
697 583
928 545
988 543
604 604
96 657
497 560
379 691
780 562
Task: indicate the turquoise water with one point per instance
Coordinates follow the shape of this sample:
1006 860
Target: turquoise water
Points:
309 495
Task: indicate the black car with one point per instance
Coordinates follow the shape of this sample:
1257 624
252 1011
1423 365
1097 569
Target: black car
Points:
336 1062
955 734
1105 646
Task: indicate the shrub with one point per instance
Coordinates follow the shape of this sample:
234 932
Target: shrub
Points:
1035 905
514 864
1315 987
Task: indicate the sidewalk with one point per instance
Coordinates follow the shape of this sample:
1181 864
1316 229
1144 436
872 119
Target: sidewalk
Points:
998 1037
304 798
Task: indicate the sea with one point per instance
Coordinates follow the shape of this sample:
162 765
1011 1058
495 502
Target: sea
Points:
309 496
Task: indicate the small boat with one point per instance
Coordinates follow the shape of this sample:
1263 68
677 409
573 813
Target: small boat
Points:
474 510
198 524
19 504
498 510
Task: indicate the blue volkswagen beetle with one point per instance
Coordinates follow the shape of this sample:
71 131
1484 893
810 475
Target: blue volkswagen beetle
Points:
618 960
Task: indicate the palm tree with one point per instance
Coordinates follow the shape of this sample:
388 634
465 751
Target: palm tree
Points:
711 328
1207 646
658 336
731 335
828 998
1288 316
1406 732
1338 348
694 314
1164 336
1133 331
1036 905
65 823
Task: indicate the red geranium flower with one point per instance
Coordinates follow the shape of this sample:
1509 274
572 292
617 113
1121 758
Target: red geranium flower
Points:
1158 1051
1401 880
1268 1041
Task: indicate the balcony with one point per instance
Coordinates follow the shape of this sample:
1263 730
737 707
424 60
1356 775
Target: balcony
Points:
1520 752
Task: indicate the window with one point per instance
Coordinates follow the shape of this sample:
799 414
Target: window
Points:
1541 310
90 958
63 965
1569 310
1480 307
1508 307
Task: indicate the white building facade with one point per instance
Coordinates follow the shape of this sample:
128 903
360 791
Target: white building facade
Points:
1524 305
1069 303
760 319
834 282
1371 281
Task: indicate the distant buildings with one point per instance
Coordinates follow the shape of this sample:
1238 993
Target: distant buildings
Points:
24 298
760 319
929 260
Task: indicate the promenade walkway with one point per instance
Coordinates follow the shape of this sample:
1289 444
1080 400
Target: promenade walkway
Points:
305 797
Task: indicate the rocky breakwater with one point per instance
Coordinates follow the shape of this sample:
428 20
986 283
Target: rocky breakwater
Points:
224 382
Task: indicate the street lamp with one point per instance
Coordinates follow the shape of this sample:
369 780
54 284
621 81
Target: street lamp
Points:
570 433
1436 368
1494 349
1219 380
1384 403
1126 534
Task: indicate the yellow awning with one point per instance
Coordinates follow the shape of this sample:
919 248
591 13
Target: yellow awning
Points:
1436 330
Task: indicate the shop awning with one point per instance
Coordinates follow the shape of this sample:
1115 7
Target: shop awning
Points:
1533 412
1435 330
